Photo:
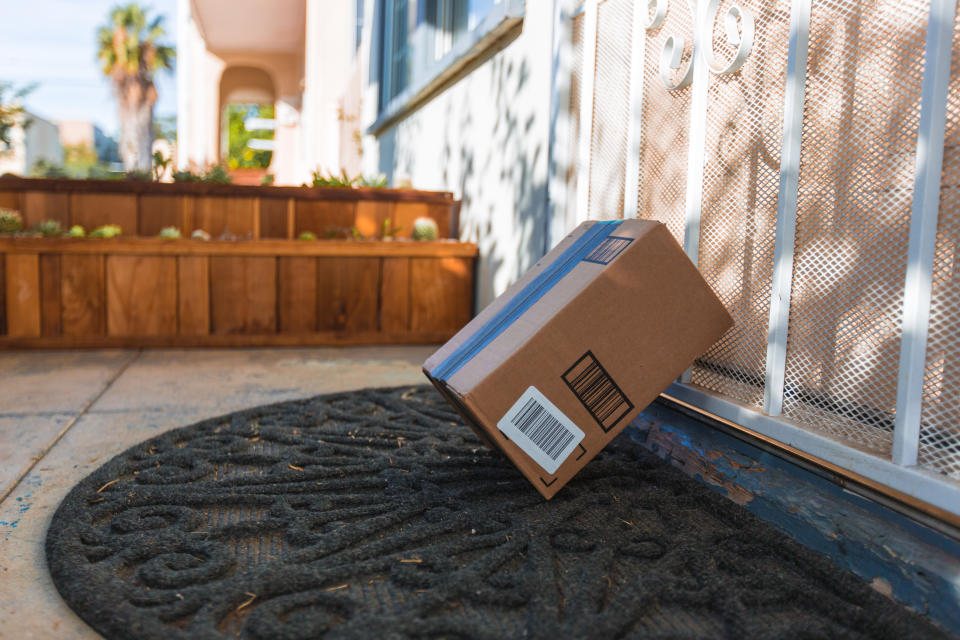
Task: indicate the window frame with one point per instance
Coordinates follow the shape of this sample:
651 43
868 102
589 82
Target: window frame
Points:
427 73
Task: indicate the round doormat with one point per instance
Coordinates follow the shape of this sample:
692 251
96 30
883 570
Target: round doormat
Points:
377 514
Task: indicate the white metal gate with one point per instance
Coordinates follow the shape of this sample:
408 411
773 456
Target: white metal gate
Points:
806 153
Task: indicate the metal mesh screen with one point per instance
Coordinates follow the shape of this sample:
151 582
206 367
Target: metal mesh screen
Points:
573 139
856 183
940 418
611 110
666 125
739 206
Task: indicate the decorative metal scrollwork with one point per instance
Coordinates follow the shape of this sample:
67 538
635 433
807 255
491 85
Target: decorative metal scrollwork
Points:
738 24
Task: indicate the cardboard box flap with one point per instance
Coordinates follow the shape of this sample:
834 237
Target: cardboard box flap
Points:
502 300
501 329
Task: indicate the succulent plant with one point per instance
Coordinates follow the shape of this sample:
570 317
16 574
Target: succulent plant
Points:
76 231
425 229
200 234
10 221
388 231
307 236
169 233
49 228
106 231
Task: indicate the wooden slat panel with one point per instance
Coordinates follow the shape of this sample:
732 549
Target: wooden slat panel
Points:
297 294
273 218
324 217
219 216
82 295
3 295
157 212
347 293
405 213
10 200
188 209
22 289
395 295
37 206
370 217
194 278
156 246
141 296
441 293
92 210
50 294
243 294
443 214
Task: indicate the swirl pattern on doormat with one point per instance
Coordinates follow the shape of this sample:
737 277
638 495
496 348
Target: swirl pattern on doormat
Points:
378 514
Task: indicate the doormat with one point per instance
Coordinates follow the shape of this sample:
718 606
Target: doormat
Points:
378 514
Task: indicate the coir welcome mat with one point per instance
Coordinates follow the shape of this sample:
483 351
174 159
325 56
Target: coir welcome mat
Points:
377 514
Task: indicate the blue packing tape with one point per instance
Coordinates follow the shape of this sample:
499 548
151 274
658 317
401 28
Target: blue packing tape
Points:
525 299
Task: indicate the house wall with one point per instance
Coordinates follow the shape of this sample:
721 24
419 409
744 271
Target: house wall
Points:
40 140
485 138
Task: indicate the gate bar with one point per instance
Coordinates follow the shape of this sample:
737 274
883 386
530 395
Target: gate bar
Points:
635 123
793 104
923 232
589 68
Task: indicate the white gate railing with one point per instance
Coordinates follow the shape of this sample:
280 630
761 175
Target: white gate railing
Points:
806 153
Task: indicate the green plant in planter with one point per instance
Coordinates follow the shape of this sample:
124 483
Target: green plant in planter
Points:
76 231
307 236
185 176
378 181
169 233
389 231
267 180
10 221
425 229
49 228
217 173
106 231
200 234
331 180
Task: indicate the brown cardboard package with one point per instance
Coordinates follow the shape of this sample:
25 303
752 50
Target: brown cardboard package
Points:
569 355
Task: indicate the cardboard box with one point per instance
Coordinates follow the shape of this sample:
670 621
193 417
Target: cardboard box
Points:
569 355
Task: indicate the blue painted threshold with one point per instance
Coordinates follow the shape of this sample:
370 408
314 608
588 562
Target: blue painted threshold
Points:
916 564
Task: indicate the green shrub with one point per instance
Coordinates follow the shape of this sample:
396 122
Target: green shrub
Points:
307 236
10 221
76 231
186 176
217 173
49 228
169 233
200 234
425 229
106 231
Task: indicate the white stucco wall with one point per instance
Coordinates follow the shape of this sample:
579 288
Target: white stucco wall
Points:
485 138
39 140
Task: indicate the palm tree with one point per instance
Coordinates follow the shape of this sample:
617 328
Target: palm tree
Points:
129 50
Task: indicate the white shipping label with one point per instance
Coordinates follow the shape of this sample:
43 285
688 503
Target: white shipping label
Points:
535 425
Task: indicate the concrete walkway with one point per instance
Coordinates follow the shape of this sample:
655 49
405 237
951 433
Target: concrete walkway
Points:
64 413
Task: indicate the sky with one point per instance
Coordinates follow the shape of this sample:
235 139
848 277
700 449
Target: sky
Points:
53 43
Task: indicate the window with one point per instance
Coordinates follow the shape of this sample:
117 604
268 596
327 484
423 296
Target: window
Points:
358 24
423 41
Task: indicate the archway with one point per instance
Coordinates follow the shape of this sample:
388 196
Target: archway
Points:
247 99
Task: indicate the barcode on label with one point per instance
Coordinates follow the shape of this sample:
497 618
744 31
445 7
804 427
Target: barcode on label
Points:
597 391
538 427
608 250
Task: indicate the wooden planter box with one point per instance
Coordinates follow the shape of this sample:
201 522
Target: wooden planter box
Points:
248 212
142 292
